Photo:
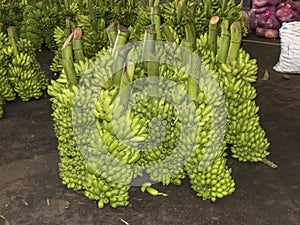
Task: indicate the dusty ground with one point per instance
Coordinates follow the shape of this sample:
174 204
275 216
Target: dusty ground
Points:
28 169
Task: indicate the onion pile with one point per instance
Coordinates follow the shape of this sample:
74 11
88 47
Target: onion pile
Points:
266 16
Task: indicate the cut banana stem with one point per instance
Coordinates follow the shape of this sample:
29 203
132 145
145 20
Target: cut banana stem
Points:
151 3
77 45
119 63
235 42
190 34
155 19
148 45
68 64
121 39
112 31
223 43
180 10
68 26
13 39
213 34
165 28
120 53
193 8
269 163
153 75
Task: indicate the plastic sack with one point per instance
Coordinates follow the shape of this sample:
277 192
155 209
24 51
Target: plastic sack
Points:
286 14
289 60
263 3
271 21
259 3
266 20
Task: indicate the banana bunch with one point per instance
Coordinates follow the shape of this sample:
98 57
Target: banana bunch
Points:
25 73
1 107
31 25
213 182
6 91
48 24
106 192
72 164
247 137
244 133
176 13
11 12
142 21
59 37
93 40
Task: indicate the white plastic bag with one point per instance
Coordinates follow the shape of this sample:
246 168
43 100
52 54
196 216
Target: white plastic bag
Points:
289 60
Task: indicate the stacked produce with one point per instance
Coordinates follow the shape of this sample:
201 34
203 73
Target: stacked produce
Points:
24 71
107 178
1 107
94 18
6 91
266 16
11 13
177 13
246 137
111 134
31 24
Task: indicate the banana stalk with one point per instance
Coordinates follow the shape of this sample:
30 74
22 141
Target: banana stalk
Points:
13 39
213 34
190 34
165 28
151 3
153 75
68 30
180 10
223 44
193 8
77 45
68 62
112 31
120 54
235 42
155 20
119 64
148 45
127 79
189 59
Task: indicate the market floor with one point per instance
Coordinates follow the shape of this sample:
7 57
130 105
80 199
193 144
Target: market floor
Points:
29 158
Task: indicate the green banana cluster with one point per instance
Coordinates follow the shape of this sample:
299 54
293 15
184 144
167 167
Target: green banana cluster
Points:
25 73
106 192
59 37
120 138
213 182
6 91
72 164
11 13
178 13
1 107
245 135
92 41
31 25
